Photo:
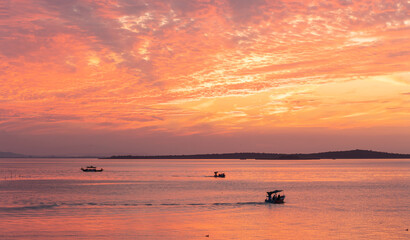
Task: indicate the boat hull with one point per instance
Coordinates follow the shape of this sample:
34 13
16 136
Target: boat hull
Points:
275 201
91 170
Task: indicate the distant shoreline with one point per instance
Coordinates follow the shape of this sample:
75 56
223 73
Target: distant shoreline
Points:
352 154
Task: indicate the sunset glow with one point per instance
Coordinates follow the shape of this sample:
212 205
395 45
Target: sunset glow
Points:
206 69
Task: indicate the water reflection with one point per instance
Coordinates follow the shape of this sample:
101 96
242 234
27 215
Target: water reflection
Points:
142 199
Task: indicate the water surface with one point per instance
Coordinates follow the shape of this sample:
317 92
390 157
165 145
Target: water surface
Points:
179 199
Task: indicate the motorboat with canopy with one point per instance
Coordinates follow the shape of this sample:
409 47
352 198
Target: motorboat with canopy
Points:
276 196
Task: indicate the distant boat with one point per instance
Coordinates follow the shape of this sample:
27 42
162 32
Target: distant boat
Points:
274 197
91 169
221 175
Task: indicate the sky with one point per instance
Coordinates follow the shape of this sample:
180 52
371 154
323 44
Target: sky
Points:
105 77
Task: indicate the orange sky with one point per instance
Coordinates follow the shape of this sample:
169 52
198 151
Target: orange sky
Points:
185 76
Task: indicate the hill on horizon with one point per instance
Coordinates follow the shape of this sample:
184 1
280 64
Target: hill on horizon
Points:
18 155
11 155
349 154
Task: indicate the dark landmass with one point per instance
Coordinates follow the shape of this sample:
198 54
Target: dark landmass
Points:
17 155
56 156
352 154
11 155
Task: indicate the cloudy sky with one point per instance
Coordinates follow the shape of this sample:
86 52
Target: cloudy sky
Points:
185 76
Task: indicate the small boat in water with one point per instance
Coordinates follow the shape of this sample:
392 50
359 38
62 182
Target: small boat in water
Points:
275 197
221 175
91 169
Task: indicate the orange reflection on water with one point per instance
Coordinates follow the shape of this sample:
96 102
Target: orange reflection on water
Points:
326 199
251 222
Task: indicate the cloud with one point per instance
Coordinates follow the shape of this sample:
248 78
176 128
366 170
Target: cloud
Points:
163 65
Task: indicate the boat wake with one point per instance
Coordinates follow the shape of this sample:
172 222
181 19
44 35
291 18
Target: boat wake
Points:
93 204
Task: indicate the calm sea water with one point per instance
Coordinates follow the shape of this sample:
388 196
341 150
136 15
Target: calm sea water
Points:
178 199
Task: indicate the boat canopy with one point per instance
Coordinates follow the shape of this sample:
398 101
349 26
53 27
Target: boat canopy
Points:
276 191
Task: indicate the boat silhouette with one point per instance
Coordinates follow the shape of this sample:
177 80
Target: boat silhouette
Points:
91 169
276 198
220 175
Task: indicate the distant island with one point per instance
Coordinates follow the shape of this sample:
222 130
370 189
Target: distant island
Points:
17 155
12 155
351 154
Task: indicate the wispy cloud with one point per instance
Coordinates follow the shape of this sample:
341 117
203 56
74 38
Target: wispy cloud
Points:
191 66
